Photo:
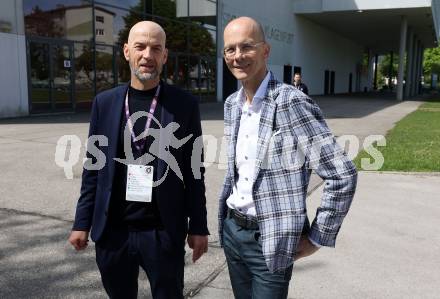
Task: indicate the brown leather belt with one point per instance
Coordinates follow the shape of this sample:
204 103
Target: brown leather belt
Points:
245 221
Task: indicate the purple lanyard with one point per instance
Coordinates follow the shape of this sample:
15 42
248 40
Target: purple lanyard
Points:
140 144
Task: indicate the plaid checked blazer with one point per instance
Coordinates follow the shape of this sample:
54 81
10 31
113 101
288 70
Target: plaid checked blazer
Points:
279 192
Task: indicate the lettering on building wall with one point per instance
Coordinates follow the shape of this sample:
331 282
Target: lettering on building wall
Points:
278 35
271 32
5 26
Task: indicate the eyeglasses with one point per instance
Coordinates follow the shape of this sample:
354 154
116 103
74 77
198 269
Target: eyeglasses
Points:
245 48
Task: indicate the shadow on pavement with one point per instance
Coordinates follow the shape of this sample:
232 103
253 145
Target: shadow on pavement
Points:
37 262
70 118
353 106
208 111
333 106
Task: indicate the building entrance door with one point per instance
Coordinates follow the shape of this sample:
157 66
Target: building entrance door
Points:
50 75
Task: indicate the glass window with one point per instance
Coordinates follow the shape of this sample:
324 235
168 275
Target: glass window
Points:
6 26
84 75
99 19
208 78
181 9
135 5
105 78
166 8
99 32
202 41
39 76
177 34
116 25
182 71
203 12
61 76
190 26
70 19
169 73
123 68
201 77
8 17
194 74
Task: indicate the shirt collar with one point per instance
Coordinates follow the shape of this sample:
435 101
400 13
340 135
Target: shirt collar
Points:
259 95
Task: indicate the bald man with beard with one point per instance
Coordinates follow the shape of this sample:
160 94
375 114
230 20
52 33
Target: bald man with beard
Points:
147 227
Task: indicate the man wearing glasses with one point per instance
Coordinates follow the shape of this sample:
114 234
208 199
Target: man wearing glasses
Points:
263 223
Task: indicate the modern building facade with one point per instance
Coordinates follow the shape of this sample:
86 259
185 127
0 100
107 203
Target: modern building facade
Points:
56 55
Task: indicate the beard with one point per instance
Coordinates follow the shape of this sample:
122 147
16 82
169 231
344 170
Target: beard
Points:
146 76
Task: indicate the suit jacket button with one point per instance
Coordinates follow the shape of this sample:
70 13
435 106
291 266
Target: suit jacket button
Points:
106 212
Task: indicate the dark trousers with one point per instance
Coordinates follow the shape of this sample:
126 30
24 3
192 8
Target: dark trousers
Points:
250 277
120 253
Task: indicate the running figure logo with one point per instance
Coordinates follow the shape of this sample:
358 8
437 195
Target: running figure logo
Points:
160 148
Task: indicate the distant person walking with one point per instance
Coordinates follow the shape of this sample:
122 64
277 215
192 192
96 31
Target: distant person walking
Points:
297 83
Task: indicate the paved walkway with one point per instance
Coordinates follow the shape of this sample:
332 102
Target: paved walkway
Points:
37 207
388 246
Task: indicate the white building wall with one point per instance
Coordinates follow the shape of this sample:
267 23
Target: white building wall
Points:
13 70
307 6
278 26
196 7
317 49
109 36
337 5
436 17
80 17
296 41
316 6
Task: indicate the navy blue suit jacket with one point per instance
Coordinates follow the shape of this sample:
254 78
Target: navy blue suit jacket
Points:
182 204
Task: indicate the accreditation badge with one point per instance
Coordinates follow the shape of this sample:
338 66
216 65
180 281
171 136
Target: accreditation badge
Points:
139 183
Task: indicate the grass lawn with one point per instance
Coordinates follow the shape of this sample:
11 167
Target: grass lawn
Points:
414 143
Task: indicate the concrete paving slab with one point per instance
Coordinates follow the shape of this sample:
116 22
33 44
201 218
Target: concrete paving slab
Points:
32 188
33 182
215 293
37 262
387 248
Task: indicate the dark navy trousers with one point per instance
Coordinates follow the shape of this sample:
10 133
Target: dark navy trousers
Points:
120 253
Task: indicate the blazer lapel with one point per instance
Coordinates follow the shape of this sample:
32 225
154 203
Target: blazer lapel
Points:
166 118
268 111
114 129
235 118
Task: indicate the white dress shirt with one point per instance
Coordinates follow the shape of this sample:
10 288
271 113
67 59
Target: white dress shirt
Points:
246 150
241 198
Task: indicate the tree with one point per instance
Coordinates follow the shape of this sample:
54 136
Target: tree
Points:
177 32
85 61
384 66
384 69
200 40
43 23
431 62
